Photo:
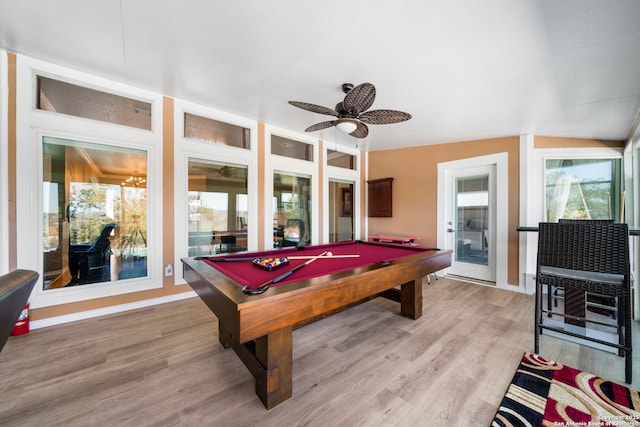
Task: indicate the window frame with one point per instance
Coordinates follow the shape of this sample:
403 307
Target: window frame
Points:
352 176
4 162
282 164
571 153
186 148
32 126
532 191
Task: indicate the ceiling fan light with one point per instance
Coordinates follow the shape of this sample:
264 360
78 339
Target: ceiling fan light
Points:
346 126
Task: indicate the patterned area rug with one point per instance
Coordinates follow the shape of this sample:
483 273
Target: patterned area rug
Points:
546 393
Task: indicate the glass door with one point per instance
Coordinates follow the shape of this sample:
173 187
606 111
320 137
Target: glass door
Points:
471 223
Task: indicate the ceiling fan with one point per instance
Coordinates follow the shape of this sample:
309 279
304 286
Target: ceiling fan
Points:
352 115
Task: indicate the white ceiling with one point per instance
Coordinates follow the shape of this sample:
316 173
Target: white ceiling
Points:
465 69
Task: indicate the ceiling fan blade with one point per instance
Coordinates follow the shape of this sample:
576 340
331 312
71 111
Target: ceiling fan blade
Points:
314 108
360 98
383 117
361 131
320 126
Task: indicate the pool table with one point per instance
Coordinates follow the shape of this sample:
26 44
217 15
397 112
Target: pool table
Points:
259 327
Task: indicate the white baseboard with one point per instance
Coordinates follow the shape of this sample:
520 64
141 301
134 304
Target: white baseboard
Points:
67 318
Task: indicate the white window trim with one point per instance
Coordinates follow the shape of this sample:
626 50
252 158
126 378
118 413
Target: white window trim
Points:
32 126
545 154
4 164
185 148
275 163
341 174
532 195
634 214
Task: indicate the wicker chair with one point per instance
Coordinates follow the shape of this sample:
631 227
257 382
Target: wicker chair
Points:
554 294
590 257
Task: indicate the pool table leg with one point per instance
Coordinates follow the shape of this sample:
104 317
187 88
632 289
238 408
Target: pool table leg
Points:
274 352
223 333
269 360
411 299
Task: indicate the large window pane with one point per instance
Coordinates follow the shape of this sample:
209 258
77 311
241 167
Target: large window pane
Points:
292 207
217 207
340 211
582 189
472 217
94 213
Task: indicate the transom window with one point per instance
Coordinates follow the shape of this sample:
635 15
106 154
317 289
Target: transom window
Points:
66 98
205 129
341 160
291 148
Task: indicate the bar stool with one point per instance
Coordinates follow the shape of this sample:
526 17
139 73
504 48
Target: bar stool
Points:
592 257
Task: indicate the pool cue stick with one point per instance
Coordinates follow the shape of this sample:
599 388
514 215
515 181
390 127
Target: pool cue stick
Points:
324 257
218 259
260 289
237 259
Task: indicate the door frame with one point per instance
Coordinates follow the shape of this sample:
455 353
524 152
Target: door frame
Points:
501 163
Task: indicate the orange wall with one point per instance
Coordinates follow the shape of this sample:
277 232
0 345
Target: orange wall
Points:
559 142
414 172
167 188
415 193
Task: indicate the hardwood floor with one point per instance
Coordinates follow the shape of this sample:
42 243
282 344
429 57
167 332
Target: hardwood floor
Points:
367 366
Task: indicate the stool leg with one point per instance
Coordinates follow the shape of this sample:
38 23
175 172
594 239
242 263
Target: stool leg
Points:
628 368
538 318
621 301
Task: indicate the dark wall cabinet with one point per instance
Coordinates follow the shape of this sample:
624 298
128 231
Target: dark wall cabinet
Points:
380 197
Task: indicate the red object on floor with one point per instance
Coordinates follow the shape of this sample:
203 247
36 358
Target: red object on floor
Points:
22 325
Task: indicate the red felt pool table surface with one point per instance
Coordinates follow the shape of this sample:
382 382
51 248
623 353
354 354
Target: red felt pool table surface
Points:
247 274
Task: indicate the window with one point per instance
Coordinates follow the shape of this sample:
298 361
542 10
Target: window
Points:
291 148
292 209
66 98
582 189
472 219
217 204
341 160
342 189
340 211
205 129
94 213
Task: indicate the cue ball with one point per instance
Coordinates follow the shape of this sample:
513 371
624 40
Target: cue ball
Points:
329 253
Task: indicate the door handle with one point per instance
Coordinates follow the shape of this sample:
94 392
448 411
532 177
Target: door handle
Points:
450 230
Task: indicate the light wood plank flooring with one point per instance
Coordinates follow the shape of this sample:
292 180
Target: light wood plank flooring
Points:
367 366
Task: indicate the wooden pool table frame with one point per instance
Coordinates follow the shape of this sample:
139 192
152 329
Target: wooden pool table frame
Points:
259 328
